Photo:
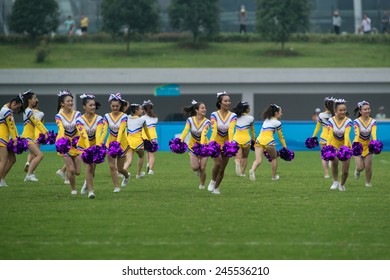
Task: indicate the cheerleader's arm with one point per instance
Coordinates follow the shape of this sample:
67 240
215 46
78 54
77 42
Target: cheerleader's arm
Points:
122 130
38 124
373 132
99 133
253 135
347 140
61 129
231 129
357 132
317 129
12 127
185 132
203 139
104 130
146 130
281 138
83 134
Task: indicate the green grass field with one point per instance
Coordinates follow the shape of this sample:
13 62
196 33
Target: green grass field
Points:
166 216
252 55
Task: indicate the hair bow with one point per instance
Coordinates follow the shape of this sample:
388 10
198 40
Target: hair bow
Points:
115 96
340 101
63 92
148 102
20 97
26 92
362 103
244 103
134 105
221 93
193 102
87 96
274 105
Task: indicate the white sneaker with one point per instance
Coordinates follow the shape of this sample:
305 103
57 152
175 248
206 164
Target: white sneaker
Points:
84 189
31 178
368 185
341 188
3 183
334 186
326 176
216 191
67 182
120 175
242 175
73 192
356 174
61 174
151 172
91 194
117 189
211 186
140 176
252 175
238 169
275 178
125 180
26 166
202 187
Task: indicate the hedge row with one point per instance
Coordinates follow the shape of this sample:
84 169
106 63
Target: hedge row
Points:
183 37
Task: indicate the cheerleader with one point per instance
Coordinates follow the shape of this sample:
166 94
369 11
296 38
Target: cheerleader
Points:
244 136
223 122
135 125
339 130
8 131
266 141
322 122
90 127
66 122
115 124
30 125
365 131
198 126
151 121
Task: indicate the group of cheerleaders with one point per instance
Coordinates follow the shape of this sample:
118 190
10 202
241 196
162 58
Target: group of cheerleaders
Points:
128 125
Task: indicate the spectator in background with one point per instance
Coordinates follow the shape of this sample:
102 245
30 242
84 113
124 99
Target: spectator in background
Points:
366 24
381 114
385 22
242 18
70 26
336 22
317 111
84 25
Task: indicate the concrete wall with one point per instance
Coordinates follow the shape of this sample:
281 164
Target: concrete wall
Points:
299 91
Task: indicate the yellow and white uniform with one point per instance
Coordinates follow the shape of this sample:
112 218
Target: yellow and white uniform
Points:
67 128
118 131
268 129
322 121
30 125
7 126
90 132
363 132
198 132
223 128
135 125
245 130
151 123
40 116
339 132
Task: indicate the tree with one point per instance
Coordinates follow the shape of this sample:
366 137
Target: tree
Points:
133 16
196 16
34 18
278 19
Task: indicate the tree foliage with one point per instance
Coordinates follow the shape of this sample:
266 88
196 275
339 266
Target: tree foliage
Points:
34 18
196 16
278 19
135 16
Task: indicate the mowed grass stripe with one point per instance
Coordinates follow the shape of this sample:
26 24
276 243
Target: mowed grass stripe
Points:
166 216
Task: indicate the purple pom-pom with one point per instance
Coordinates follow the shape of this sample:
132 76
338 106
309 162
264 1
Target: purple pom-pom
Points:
344 153
230 149
266 154
74 141
375 147
357 148
88 154
287 155
151 146
100 154
51 137
213 149
114 149
63 145
41 139
20 147
311 142
328 152
177 146
200 150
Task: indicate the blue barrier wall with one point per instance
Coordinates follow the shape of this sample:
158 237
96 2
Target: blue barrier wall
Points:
295 133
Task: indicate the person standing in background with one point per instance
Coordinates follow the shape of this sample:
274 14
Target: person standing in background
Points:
385 22
84 25
242 18
381 114
69 26
336 22
366 24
